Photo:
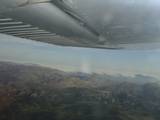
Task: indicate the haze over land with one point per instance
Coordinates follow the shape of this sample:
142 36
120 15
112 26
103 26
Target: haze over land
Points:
126 62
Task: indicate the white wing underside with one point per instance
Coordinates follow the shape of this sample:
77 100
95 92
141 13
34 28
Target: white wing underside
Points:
110 24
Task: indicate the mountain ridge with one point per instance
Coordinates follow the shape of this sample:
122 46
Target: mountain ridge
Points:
32 92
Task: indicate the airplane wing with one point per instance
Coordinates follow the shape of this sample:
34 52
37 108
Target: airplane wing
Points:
110 24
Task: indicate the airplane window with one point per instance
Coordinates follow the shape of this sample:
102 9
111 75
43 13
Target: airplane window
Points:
79 60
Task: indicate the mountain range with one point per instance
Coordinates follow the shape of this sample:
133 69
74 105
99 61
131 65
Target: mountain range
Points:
32 92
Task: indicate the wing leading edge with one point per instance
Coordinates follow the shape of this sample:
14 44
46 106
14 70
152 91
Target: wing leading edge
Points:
77 23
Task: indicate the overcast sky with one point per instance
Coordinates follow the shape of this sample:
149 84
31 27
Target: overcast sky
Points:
126 62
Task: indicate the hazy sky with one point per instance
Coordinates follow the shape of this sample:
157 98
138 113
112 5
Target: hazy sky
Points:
127 62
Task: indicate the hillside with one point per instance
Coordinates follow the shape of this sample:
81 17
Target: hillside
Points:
31 92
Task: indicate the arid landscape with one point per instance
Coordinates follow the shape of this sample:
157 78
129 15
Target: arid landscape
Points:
31 92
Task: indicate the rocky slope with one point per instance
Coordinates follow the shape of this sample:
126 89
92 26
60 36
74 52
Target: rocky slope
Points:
31 92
